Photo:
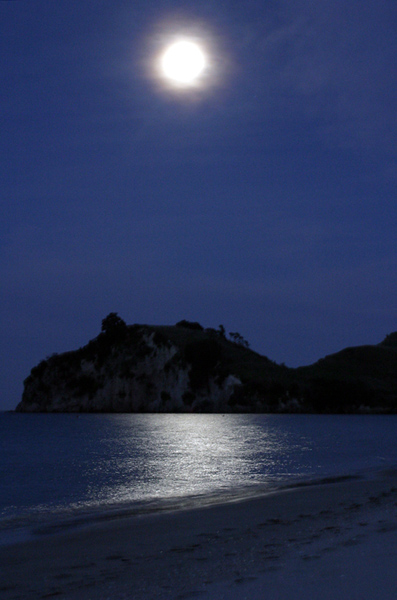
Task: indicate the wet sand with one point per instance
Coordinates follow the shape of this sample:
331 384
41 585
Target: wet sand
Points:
336 540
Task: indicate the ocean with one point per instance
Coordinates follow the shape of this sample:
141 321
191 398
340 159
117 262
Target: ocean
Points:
67 470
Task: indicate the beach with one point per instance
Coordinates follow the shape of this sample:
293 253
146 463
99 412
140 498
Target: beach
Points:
335 539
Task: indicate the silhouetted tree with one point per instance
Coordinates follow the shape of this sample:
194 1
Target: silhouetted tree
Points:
221 331
237 338
113 324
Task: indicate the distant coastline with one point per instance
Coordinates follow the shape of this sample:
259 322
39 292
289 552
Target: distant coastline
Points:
189 368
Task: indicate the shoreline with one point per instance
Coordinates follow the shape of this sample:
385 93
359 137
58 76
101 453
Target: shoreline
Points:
239 547
33 523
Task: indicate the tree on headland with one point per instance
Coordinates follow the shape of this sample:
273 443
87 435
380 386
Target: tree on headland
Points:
113 324
237 338
221 331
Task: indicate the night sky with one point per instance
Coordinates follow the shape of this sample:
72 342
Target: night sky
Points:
262 198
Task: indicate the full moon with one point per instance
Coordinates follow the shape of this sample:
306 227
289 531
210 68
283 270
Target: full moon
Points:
183 62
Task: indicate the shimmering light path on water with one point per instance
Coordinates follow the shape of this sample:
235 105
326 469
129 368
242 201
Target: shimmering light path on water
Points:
51 462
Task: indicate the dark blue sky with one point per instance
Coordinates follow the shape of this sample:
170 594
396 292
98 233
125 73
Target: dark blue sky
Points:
263 200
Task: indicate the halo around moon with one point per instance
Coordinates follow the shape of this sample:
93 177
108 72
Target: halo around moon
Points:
183 62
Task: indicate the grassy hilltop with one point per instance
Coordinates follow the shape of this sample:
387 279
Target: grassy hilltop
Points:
187 368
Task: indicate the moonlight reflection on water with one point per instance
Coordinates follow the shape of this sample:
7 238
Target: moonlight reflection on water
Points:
54 463
178 455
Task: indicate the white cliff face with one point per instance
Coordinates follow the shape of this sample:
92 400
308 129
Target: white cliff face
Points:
185 368
146 377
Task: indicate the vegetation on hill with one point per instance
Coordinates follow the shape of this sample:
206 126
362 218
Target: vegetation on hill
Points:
186 367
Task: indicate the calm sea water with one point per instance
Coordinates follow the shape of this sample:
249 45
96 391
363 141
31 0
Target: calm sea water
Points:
56 470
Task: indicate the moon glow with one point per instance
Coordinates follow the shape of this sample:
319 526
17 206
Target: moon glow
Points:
183 62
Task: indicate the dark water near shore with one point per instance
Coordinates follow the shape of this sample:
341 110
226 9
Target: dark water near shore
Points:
63 469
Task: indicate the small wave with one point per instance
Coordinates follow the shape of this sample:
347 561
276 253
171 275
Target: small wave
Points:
47 522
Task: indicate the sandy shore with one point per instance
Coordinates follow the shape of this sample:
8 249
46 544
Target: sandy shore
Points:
324 541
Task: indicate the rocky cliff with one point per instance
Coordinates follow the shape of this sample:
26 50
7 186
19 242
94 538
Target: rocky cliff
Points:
136 369
186 368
